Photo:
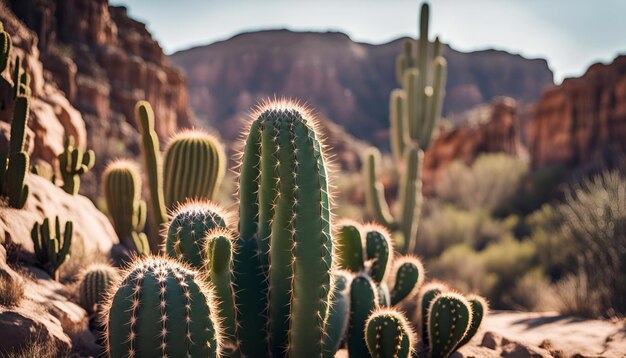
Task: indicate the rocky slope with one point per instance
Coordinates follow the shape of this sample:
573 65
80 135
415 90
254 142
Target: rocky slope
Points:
104 62
346 81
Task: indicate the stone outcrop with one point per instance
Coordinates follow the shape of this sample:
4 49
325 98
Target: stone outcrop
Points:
581 120
491 129
346 81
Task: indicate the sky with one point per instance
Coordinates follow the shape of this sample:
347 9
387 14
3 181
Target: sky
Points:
570 34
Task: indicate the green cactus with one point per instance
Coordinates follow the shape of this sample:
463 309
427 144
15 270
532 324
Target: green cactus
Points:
187 231
427 295
284 201
162 309
94 284
13 174
194 165
379 249
51 248
414 112
153 164
218 248
16 76
121 184
389 335
363 301
339 315
408 277
349 251
480 308
5 48
449 319
74 162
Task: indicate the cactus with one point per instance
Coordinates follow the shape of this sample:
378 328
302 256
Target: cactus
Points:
51 248
74 162
480 308
194 165
414 111
121 184
218 248
186 233
350 254
94 284
449 319
427 295
284 200
388 334
339 315
363 301
408 277
5 48
162 309
152 162
13 168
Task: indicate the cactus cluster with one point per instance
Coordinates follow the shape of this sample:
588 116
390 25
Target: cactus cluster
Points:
74 162
414 111
52 248
121 184
448 319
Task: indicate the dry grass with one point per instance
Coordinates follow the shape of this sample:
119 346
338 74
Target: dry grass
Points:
38 348
11 291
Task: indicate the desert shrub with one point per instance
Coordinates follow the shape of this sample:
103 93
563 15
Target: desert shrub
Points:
489 183
39 348
443 226
11 291
533 292
574 295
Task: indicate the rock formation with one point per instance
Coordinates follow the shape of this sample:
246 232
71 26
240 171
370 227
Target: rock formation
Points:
346 81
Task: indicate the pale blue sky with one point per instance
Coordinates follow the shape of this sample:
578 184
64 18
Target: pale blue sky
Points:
571 34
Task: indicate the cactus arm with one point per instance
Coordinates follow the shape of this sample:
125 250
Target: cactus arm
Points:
480 308
398 119
64 253
349 250
423 60
363 301
249 276
427 295
152 161
409 275
411 197
379 250
140 222
438 94
16 174
449 318
374 192
5 49
339 315
17 67
388 335
19 124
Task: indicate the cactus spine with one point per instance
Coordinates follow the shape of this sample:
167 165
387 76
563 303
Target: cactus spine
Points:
449 319
121 183
363 301
194 165
284 201
414 112
74 162
5 48
51 248
94 284
162 309
388 335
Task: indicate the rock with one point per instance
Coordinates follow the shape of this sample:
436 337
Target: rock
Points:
20 329
93 233
346 81
581 120
491 340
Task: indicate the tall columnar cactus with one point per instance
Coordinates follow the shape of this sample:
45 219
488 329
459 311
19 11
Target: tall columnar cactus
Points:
339 315
449 319
121 184
194 165
52 248
153 164
13 174
369 248
5 48
388 334
363 301
427 295
219 267
283 259
94 284
74 162
186 233
414 112
162 309
480 308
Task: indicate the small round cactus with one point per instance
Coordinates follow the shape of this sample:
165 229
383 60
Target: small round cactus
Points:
388 334
162 309
94 284
186 232
449 319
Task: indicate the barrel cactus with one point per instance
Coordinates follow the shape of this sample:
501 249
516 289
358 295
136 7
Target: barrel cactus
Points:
52 248
74 162
121 183
389 335
162 308
194 165
94 284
